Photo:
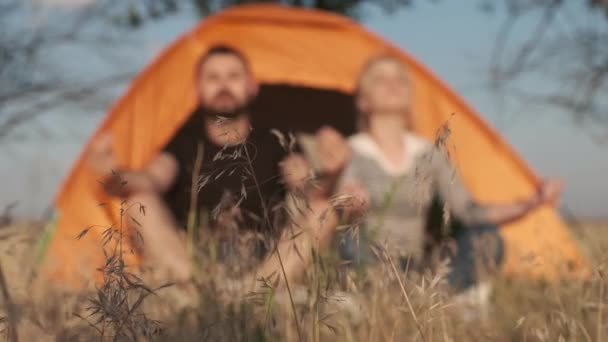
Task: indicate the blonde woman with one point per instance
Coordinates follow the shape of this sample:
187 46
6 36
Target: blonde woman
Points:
397 175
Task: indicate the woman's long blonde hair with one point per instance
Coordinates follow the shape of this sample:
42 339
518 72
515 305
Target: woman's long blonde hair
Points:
362 118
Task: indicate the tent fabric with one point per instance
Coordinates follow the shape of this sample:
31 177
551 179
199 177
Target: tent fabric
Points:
319 50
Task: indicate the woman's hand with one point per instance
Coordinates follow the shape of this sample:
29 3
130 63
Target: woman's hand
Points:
358 201
550 191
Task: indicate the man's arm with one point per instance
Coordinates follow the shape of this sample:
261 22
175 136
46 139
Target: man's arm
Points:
318 218
157 176
333 154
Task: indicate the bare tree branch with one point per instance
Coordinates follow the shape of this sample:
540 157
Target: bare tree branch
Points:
30 84
573 53
69 95
500 71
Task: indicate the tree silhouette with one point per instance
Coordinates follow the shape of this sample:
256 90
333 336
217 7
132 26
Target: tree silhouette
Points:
574 49
568 47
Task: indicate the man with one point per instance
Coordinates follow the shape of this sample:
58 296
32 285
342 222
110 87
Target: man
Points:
219 165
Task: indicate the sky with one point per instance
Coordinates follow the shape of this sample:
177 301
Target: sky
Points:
453 39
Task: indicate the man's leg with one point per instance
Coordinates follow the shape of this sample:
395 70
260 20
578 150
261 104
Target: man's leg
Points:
295 247
162 245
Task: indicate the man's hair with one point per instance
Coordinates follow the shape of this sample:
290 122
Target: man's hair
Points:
221 49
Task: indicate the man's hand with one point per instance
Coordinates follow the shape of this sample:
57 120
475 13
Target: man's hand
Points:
157 176
100 156
102 160
296 171
334 152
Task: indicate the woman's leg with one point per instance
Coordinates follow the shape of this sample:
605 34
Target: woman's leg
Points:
479 253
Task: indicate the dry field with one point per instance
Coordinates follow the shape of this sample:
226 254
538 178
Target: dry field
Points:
379 310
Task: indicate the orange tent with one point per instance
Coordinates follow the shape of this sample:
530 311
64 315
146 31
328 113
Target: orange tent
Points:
307 62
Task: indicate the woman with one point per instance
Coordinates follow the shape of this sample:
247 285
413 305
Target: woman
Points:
397 176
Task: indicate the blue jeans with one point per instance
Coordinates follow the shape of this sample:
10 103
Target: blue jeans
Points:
479 250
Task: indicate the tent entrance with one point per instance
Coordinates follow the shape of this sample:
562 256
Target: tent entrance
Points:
303 110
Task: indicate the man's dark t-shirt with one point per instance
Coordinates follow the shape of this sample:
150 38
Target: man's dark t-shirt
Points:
240 183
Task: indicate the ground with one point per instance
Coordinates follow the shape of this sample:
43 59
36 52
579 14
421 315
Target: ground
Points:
383 311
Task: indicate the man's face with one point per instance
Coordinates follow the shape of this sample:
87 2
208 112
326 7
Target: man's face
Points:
225 86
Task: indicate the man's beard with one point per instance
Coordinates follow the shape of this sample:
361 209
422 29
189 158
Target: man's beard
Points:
238 110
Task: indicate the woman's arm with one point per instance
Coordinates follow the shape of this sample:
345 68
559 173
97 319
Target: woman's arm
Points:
460 203
506 213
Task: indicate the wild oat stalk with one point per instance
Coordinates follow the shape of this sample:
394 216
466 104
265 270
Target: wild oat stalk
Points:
11 309
404 293
192 214
276 244
247 165
265 297
600 325
116 307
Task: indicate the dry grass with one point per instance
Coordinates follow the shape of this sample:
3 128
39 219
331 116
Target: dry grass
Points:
332 303
374 307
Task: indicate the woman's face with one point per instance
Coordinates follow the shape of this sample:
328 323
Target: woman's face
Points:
384 88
